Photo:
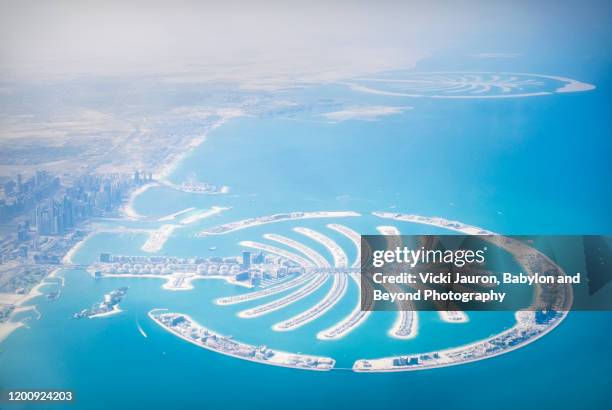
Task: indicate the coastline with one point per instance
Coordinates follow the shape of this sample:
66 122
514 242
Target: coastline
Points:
128 210
7 328
171 164
163 173
165 170
19 301
67 259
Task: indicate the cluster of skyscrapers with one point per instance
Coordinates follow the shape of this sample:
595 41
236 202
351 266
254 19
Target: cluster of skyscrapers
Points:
44 206
22 195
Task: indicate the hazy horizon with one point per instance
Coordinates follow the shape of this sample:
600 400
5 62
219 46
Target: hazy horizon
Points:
67 38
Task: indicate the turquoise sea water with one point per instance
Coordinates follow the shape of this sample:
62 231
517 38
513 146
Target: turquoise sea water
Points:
535 165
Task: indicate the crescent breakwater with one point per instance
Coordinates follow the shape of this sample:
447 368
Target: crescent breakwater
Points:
530 325
188 329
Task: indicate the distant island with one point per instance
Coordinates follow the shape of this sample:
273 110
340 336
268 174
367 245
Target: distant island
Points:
108 306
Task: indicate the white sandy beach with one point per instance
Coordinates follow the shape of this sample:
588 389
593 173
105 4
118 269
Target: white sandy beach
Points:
67 259
224 114
19 301
128 209
7 328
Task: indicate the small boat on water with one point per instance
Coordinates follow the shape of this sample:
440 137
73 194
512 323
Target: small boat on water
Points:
141 330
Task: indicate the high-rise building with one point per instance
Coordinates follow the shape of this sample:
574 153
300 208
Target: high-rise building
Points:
259 258
68 212
246 259
43 220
